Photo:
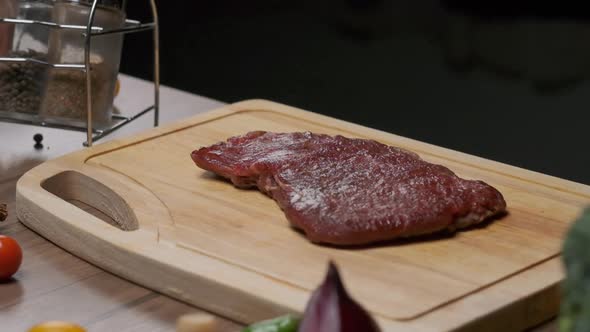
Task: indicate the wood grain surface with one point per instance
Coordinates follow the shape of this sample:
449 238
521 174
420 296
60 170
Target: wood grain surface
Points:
39 278
53 284
187 234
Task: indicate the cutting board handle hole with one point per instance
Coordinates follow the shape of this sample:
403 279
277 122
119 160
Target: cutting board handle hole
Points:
93 197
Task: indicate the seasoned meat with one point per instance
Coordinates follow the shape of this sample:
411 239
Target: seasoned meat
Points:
346 191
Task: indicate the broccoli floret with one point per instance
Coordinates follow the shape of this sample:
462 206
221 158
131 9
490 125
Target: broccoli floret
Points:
575 304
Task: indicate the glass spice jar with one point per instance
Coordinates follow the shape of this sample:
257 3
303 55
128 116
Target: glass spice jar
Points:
8 9
21 84
64 95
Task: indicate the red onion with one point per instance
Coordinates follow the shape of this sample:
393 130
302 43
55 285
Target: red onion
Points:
331 309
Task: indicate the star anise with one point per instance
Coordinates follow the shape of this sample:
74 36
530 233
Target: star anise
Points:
3 212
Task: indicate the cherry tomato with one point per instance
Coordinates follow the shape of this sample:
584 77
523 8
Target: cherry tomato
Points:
11 257
56 326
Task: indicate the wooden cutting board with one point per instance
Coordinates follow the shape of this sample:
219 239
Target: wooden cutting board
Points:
140 208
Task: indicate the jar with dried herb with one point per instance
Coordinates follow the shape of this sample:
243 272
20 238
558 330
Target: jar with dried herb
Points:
65 92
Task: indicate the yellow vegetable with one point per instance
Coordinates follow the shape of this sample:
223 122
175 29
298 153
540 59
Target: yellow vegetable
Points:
197 322
57 326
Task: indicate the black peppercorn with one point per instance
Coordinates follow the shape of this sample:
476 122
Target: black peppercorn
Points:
38 138
21 83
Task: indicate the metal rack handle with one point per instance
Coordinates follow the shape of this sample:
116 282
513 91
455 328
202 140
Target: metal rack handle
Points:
89 34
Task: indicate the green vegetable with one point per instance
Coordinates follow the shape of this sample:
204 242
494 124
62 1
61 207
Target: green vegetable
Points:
287 323
575 304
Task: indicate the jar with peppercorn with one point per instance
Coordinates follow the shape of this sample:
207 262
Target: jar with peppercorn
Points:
22 83
48 93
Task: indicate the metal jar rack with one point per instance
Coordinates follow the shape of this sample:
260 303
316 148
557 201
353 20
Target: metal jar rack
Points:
88 32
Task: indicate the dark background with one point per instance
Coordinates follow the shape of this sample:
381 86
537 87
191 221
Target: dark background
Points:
496 80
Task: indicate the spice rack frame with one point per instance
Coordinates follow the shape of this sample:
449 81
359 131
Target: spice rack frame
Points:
88 31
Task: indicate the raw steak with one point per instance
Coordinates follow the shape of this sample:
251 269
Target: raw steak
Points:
345 191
